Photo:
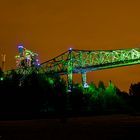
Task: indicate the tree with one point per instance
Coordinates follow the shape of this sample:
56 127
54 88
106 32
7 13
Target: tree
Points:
134 92
101 86
134 89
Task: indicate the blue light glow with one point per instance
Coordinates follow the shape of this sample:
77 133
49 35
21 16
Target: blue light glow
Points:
20 46
70 49
86 85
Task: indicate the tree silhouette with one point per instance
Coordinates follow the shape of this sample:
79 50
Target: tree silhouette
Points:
135 89
43 93
101 85
134 92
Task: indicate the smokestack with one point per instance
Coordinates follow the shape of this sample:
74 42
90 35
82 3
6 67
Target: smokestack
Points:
3 62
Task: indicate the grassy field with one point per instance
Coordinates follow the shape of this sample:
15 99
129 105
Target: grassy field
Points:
79 128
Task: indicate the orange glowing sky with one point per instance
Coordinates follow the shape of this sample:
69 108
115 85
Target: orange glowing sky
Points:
50 27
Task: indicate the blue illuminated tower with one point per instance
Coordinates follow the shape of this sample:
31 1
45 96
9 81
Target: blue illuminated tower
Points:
26 58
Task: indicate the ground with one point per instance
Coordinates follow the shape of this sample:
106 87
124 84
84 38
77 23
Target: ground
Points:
80 128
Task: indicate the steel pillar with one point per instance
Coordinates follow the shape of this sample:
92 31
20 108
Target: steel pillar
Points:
69 79
84 80
70 71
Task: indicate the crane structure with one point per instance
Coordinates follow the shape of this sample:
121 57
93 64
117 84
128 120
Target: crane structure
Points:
83 61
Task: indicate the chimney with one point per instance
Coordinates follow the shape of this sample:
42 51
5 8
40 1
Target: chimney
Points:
3 62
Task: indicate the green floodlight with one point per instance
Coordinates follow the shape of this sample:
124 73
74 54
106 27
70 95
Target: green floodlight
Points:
51 81
1 78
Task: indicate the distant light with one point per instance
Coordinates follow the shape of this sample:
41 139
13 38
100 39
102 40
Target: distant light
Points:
20 46
69 90
1 78
51 81
70 49
86 85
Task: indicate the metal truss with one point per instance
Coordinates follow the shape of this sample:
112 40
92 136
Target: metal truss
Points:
22 71
83 61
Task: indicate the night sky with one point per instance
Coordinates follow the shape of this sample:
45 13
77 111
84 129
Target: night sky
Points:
51 27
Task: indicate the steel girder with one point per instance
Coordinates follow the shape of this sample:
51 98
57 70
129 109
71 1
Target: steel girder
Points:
81 61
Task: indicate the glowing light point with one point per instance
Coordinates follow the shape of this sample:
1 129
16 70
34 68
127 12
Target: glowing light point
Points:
20 46
1 78
70 49
86 85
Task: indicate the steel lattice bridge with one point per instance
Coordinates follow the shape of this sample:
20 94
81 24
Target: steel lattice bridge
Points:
83 61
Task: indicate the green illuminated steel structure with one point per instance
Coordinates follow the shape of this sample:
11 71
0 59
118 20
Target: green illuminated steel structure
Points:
83 61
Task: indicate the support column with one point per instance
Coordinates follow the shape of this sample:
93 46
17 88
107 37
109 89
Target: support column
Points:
69 75
84 80
70 70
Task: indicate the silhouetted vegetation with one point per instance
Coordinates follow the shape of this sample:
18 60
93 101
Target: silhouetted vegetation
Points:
46 94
